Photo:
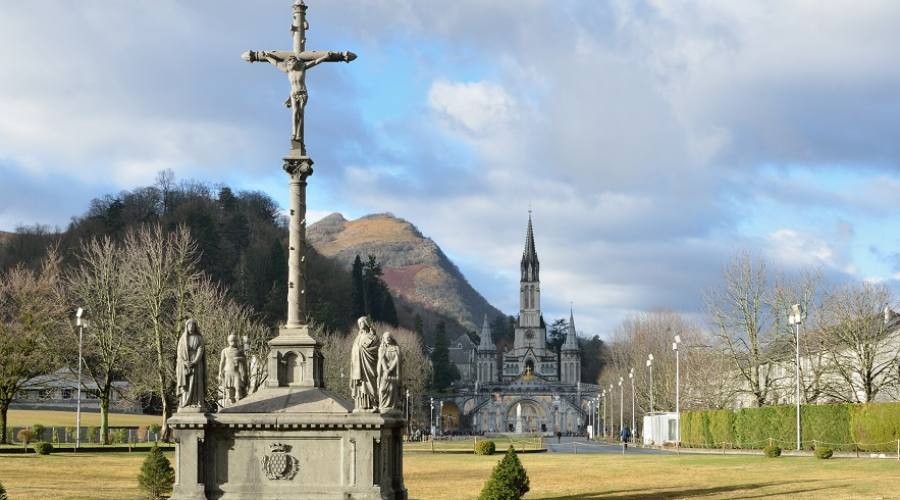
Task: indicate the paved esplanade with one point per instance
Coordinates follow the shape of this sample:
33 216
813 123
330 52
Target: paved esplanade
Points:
582 445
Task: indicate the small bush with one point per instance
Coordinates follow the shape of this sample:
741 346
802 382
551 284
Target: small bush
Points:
508 481
25 436
155 429
38 430
118 436
157 475
772 451
485 448
42 447
824 452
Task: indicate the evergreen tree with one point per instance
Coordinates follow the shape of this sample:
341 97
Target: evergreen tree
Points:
508 481
556 337
593 357
388 309
371 291
419 325
445 372
358 293
157 476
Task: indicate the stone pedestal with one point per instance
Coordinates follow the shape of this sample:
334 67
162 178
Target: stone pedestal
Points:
289 443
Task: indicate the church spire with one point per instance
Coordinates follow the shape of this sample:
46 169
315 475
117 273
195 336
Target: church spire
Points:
571 342
487 341
530 264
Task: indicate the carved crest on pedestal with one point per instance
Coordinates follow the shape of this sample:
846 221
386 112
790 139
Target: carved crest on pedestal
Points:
278 464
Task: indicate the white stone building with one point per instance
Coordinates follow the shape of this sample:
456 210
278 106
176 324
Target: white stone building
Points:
525 384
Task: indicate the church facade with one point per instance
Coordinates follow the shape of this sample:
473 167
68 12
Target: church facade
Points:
525 389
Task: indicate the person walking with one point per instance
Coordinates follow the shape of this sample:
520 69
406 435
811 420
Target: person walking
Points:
625 436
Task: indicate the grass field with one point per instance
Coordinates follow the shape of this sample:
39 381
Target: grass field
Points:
48 418
553 476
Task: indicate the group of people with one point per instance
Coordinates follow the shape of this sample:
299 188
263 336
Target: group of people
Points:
374 370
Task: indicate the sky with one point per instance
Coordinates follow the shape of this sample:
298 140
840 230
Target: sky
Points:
653 140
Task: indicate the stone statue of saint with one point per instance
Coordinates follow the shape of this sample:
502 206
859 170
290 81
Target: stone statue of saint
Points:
363 361
190 370
232 373
255 370
388 373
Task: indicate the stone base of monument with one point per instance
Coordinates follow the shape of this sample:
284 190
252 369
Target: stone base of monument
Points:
291 439
284 443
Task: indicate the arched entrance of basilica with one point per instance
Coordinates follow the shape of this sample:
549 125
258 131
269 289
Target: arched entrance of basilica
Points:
534 419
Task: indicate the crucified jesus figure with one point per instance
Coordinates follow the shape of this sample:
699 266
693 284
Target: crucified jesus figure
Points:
296 72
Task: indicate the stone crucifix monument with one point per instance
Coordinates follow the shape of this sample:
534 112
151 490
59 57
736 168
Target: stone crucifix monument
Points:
292 438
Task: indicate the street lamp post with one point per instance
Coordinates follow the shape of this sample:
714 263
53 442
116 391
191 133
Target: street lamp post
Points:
441 418
633 416
621 404
431 418
650 366
408 427
794 319
80 321
677 392
612 430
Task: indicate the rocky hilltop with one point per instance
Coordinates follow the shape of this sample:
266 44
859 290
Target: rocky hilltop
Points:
415 268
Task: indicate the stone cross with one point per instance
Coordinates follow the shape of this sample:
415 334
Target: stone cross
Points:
295 63
297 164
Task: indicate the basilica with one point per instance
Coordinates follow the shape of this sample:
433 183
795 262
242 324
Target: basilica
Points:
527 388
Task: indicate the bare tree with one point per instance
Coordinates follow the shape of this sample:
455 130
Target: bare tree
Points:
158 266
31 312
744 320
100 284
702 383
861 342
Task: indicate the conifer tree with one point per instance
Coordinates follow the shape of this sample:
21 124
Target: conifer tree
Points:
508 481
157 476
358 289
445 372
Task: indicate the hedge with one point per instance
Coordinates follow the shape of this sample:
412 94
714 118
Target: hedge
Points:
875 425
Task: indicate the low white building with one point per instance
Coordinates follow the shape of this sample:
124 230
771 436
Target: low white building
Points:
660 428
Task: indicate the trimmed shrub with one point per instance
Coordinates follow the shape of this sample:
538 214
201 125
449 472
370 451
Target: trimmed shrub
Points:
42 447
485 448
772 451
3 493
157 475
38 430
753 426
25 436
823 452
508 481
118 436
155 429
826 423
877 425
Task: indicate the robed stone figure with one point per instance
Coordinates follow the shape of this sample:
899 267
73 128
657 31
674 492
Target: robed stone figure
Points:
388 373
363 362
232 372
190 369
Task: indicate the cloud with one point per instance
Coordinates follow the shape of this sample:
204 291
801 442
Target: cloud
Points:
641 133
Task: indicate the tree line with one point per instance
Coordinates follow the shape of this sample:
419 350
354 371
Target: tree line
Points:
743 352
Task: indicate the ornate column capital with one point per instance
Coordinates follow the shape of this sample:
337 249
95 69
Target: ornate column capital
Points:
298 166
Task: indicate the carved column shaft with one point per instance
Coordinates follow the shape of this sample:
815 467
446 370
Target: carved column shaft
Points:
299 169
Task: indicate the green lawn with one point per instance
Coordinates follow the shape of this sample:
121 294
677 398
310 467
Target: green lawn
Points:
49 418
553 476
